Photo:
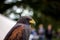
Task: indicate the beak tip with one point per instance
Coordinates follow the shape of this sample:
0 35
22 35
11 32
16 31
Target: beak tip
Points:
32 21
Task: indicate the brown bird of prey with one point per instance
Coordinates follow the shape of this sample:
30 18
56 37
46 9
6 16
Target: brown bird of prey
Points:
21 30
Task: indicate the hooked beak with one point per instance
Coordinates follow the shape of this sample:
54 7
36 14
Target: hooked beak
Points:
32 21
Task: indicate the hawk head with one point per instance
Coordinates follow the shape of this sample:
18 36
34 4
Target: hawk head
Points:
26 20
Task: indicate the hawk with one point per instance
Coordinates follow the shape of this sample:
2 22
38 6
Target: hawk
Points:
21 30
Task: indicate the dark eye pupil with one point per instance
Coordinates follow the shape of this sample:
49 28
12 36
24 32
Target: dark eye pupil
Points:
28 19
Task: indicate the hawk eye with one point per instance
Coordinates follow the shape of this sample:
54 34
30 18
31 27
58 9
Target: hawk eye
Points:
28 19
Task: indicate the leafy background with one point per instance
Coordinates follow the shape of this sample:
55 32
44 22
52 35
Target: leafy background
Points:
45 11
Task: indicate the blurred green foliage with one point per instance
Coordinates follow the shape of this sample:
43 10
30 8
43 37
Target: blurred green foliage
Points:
45 11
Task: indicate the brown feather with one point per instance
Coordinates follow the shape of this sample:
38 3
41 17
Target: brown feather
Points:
17 33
